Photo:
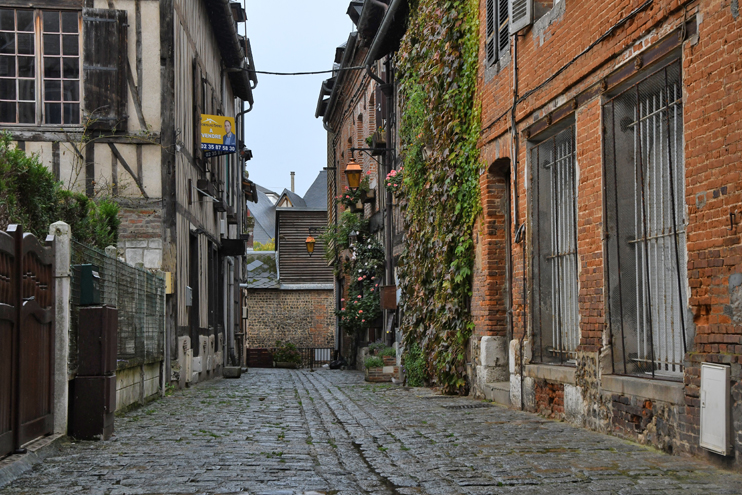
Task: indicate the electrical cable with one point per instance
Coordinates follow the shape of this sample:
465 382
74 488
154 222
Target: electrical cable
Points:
309 73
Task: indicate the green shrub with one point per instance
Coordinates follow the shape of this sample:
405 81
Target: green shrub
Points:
373 362
387 352
30 196
414 366
286 352
376 346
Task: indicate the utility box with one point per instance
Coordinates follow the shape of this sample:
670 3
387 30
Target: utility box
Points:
97 341
715 408
89 277
93 406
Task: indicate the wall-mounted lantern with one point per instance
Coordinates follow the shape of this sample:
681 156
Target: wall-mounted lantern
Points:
353 172
310 245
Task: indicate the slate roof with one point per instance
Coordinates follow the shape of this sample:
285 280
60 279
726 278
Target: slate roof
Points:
296 200
261 270
316 195
264 212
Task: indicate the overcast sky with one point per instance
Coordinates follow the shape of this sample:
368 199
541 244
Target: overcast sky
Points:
291 36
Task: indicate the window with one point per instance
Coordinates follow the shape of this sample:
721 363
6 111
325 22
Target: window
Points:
645 223
39 67
498 40
556 312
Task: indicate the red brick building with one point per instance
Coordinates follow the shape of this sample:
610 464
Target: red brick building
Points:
608 250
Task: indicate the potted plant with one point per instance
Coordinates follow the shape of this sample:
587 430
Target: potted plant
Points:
286 355
393 181
379 142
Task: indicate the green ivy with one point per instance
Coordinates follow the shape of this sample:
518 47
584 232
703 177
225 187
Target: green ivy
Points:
438 64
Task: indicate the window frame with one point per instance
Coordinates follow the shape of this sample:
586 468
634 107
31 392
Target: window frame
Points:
665 340
555 342
40 79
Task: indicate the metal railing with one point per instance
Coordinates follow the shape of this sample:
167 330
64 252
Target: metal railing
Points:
139 297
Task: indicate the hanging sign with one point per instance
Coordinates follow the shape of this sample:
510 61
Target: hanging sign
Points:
217 135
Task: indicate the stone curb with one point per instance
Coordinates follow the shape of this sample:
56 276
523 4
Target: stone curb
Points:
15 465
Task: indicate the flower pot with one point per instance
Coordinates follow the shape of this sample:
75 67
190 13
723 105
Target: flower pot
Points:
356 207
368 196
379 142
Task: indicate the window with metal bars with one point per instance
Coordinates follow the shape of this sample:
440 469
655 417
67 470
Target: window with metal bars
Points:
645 223
498 39
555 284
39 67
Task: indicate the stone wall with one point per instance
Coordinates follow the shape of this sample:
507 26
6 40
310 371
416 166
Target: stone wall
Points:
303 317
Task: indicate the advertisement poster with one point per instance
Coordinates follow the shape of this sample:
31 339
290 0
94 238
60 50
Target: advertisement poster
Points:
217 135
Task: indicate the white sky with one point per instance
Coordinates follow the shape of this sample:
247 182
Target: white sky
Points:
281 131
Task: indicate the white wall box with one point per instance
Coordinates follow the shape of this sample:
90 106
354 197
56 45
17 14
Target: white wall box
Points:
715 414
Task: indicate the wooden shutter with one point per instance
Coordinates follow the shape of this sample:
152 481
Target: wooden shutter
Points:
198 107
521 14
503 29
491 53
104 68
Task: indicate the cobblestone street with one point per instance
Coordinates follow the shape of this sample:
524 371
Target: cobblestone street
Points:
293 432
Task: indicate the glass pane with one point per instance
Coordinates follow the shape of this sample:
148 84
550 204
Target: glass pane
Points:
70 44
53 113
7 66
52 67
52 90
69 22
27 113
26 67
71 91
25 43
7 89
7 111
26 89
71 113
7 20
51 22
25 21
7 42
51 44
71 67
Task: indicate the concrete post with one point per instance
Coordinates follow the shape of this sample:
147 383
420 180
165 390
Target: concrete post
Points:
62 290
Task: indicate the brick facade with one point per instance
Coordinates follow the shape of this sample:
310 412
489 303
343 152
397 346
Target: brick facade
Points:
140 233
302 317
567 75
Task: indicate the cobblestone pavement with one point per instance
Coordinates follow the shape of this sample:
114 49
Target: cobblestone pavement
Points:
285 432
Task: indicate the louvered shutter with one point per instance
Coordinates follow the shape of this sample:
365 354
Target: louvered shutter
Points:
503 29
521 14
104 68
490 40
198 99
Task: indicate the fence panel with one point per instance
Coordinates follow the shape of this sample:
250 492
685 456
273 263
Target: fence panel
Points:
139 297
8 318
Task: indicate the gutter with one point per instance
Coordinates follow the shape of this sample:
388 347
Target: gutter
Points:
381 33
347 57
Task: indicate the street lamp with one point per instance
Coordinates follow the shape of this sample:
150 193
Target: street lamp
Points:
310 245
353 172
352 237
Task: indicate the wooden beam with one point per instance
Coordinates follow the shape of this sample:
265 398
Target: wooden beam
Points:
121 160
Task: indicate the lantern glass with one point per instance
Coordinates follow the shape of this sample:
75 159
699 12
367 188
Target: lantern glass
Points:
353 172
310 245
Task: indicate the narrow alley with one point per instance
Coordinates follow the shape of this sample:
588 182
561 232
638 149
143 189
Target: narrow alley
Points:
298 432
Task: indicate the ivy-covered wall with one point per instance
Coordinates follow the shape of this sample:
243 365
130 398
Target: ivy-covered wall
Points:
439 128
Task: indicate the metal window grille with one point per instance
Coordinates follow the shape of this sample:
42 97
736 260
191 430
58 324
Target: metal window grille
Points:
139 297
645 224
555 248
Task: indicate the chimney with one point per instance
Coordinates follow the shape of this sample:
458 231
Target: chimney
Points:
292 181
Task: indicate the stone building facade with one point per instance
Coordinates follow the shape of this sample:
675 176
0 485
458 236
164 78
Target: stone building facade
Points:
608 250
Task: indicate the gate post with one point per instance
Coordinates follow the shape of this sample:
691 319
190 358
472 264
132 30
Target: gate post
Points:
62 288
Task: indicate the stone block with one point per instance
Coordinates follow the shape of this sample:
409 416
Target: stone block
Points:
574 405
196 365
231 372
152 258
135 244
494 351
134 256
155 243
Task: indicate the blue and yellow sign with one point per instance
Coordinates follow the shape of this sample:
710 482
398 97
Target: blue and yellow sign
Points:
217 135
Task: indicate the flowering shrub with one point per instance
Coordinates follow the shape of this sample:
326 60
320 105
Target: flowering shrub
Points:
364 303
393 181
349 197
286 352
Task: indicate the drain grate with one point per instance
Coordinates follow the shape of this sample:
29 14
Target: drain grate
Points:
467 406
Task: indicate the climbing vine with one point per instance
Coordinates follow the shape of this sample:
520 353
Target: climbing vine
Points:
437 63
